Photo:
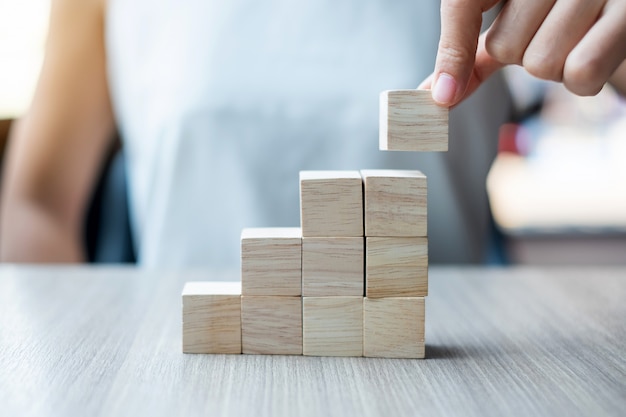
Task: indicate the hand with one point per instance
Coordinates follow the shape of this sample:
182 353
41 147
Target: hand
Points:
580 43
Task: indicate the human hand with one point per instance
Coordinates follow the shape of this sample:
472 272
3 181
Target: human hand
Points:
580 43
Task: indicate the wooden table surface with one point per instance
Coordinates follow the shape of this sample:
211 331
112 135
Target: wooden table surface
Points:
517 342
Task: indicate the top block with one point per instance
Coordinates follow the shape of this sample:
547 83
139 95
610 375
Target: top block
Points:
331 203
411 121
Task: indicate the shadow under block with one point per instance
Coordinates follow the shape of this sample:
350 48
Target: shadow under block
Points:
332 266
212 317
271 325
411 121
394 327
396 267
331 203
396 203
271 261
332 326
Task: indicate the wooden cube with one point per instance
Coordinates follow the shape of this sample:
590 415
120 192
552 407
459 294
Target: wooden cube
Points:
331 203
395 203
393 327
271 261
271 325
332 266
411 121
396 267
332 326
212 317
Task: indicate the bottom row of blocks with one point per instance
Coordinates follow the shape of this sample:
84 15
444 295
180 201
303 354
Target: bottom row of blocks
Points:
217 319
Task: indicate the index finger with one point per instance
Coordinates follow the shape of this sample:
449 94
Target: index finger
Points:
461 21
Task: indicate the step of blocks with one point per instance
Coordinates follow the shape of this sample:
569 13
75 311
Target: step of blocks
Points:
361 232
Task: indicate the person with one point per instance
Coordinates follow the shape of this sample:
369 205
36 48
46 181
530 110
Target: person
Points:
581 44
219 105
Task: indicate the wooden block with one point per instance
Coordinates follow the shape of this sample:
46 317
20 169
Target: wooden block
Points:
271 325
395 203
271 261
332 326
393 327
212 317
331 203
332 266
411 121
396 267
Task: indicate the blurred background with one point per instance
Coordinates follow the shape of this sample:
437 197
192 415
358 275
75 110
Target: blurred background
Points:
23 26
557 188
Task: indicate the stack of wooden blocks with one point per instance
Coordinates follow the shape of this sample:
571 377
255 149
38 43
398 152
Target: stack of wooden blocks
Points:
352 280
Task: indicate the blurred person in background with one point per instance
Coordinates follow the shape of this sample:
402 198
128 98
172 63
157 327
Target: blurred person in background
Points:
220 104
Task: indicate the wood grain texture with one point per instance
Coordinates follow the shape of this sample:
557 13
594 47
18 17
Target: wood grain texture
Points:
80 341
396 203
411 121
394 327
332 326
396 267
333 266
331 203
271 261
271 325
212 317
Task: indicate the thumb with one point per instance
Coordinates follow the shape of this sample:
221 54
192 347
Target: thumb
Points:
461 21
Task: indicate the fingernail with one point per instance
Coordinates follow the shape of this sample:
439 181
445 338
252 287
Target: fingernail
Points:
445 89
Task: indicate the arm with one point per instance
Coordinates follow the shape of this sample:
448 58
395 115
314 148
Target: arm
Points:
579 43
56 150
